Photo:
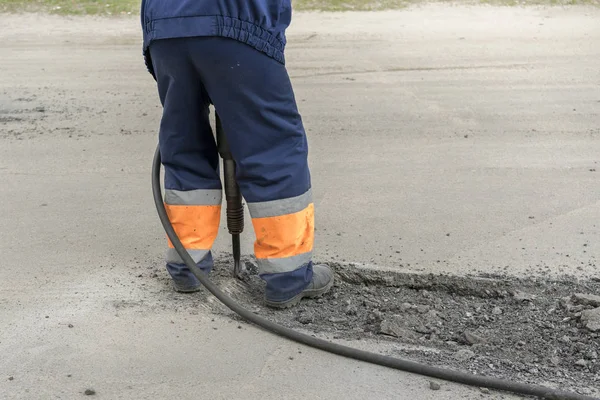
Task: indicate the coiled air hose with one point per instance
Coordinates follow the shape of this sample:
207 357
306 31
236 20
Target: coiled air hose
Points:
361 355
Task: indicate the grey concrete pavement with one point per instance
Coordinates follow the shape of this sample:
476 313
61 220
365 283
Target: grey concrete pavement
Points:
443 139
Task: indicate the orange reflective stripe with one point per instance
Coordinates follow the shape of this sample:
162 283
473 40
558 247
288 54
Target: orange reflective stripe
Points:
285 235
196 226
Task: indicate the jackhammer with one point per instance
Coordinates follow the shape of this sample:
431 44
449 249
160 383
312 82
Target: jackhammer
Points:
233 197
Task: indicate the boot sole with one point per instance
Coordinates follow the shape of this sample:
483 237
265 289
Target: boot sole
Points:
180 289
310 293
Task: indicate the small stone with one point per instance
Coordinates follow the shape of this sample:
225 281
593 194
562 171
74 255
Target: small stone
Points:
464 355
351 310
534 371
422 309
434 386
586 299
581 363
591 319
406 307
555 360
431 317
89 392
370 304
70 325
577 309
473 338
337 320
484 390
320 300
497 311
522 296
393 327
305 319
374 317
10 378
420 328
592 355
520 343
565 339
565 302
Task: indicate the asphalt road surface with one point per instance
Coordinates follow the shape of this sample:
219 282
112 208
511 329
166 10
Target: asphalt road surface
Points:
442 139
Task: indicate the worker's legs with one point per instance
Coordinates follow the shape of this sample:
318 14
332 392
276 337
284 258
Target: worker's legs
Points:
190 159
254 98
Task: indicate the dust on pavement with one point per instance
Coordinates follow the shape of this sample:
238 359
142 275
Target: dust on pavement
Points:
530 330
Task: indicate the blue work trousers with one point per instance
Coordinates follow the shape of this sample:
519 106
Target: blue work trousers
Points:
254 99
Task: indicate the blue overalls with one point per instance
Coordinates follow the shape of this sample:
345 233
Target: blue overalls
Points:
230 53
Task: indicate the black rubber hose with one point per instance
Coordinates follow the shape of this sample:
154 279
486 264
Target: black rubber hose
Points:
373 358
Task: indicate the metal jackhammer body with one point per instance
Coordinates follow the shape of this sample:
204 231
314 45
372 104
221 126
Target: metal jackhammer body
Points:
233 197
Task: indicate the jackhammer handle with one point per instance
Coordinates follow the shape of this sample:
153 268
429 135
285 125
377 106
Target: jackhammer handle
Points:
235 210
222 144
233 197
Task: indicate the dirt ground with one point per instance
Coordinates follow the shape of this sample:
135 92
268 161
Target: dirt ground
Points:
454 153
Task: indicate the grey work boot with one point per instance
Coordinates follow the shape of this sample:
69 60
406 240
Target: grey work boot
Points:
321 283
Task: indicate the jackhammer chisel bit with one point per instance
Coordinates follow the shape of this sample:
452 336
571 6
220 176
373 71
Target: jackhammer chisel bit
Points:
233 197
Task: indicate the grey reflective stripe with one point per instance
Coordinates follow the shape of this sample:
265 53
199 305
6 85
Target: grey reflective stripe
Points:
197 255
198 197
278 265
276 208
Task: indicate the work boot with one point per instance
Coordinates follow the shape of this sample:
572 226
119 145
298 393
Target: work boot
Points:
186 288
184 281
321 283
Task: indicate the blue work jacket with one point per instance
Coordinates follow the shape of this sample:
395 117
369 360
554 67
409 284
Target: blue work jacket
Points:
258 23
